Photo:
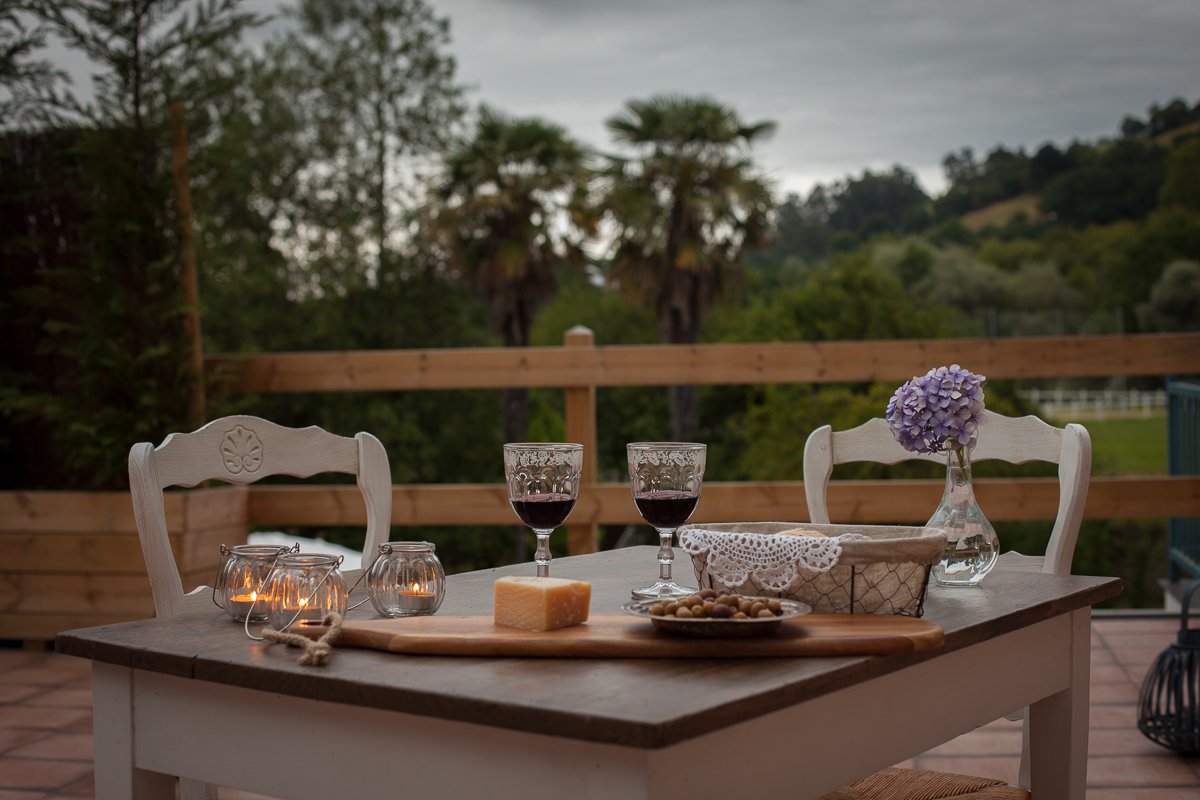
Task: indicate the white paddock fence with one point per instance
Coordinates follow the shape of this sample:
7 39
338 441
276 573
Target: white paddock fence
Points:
1077 404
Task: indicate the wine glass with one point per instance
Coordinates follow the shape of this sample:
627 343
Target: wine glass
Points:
543 485
666 479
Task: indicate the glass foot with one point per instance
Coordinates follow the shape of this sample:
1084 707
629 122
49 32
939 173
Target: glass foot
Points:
662 589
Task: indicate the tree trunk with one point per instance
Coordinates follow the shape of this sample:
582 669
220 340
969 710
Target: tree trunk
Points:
679 323
515 403
685 408
188 279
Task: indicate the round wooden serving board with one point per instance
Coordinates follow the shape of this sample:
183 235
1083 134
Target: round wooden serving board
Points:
621 636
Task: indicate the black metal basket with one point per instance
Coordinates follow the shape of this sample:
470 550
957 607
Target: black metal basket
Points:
1169 705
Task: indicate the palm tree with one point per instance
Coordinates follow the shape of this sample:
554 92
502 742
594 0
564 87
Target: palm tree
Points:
511 207
684 209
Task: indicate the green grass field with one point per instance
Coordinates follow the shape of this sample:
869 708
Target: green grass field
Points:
1129 446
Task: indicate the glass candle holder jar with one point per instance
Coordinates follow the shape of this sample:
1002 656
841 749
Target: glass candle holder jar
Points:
406 580
303 589
238 588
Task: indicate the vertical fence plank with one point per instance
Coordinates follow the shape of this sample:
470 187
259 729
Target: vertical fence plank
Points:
580 410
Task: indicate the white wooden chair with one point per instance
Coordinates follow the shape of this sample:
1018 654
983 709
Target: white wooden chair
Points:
1016 440
242 450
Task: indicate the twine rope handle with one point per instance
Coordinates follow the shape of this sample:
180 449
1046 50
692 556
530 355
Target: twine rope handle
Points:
316 651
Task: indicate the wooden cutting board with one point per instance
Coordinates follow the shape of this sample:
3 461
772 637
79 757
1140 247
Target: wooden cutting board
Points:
622 636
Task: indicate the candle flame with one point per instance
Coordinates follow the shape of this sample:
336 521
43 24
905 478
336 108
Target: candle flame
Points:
303 602
253 596
416 587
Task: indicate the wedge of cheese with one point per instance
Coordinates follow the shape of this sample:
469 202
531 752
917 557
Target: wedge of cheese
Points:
541 604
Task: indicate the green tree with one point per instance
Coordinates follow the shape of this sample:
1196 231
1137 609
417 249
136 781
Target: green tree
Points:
27 82
1119 182
102 278
378 95
510 207
684 208
1181 187
1174 302
876 202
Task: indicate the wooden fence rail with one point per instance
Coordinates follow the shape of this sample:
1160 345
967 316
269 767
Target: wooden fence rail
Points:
579 367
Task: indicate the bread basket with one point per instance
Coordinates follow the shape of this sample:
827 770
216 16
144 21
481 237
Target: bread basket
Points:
844 569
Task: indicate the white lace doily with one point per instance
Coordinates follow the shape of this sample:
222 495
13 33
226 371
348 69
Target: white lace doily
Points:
773 560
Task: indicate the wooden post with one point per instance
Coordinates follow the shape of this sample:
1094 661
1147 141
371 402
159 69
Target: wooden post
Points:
189 283
580 410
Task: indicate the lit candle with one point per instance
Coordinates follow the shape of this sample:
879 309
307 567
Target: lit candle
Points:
417 598
240 605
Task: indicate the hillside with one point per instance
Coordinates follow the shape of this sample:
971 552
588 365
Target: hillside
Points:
1001 213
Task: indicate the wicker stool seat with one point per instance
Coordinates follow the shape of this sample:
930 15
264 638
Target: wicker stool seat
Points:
924 784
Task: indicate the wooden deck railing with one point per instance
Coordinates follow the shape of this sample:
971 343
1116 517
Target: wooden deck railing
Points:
579 367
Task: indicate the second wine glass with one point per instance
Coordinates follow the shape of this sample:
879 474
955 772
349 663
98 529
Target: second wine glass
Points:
543 485
666 478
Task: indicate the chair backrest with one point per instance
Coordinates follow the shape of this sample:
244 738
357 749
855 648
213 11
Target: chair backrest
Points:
242 450
1016 440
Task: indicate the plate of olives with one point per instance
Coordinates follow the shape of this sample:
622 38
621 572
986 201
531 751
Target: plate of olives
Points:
717 615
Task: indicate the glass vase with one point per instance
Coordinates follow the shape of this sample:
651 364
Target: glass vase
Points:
971 542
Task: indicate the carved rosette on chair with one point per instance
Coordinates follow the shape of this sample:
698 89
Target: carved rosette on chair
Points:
971 542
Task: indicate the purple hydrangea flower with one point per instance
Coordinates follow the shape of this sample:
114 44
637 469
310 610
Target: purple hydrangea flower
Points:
940 410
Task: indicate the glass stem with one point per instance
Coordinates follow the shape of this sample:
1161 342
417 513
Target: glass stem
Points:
665 554
542 555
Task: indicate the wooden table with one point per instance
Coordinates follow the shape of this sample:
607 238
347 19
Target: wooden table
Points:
192 696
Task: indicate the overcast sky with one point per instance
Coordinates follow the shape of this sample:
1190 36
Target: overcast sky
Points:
852 84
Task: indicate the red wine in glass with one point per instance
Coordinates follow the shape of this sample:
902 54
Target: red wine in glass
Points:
543 484
666 478
544 510
666 509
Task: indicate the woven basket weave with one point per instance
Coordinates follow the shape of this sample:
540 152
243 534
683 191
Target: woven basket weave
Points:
887 573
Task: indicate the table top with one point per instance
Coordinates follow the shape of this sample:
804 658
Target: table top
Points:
634 702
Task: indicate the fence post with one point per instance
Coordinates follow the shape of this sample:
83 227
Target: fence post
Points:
580 411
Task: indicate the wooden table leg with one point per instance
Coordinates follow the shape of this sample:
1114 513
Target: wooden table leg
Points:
1058 724
117 776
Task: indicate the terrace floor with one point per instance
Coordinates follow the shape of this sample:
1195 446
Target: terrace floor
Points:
46 726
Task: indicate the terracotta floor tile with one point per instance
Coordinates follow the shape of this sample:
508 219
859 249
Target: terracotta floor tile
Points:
1109 626
1113 693
982 742
31 773
1136 659
33 676
15 737
1154 641
1114 673
1109 717
72 746
17 694
69 665
84 787
1122 742
6 794
235 794
1003 724
1144 794
1156 770
1004 769
10 657
81 725
64 698
35 717
1103 658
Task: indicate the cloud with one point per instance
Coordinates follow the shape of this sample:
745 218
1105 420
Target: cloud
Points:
851 84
